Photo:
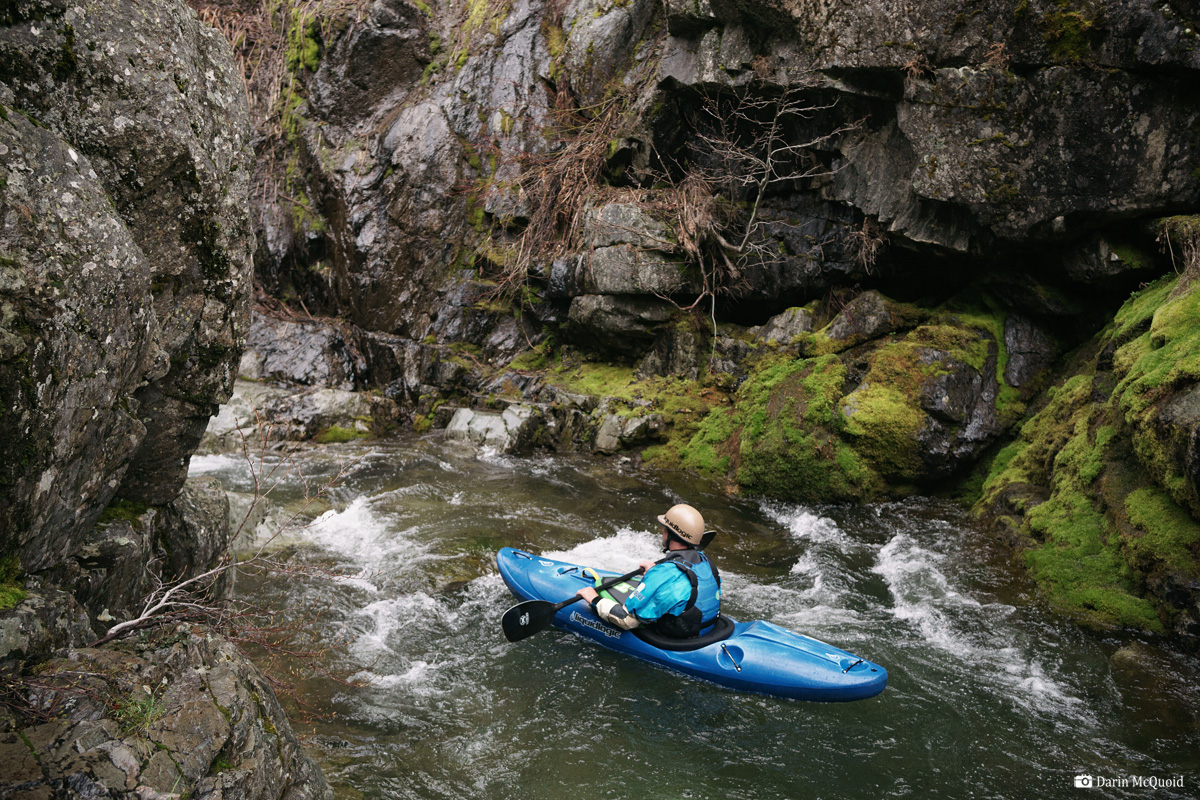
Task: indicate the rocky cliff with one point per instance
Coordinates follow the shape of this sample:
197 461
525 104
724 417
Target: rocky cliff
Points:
818 250
125 274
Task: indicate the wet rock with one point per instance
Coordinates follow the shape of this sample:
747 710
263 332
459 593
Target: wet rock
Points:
195 530
306 414
866 317
624 223
1031 351
961 404
515 384
784 327
507 432
379 58
622 269
135 547
675 352
509 338
625 324
601 40
206 723
617 432
399 365
261 411
561 397
730 354
309 353
46 620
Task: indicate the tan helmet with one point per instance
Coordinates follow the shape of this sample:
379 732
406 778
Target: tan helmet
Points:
686 523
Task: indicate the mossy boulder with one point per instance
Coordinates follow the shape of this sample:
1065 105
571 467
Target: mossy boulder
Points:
905 403
1099 487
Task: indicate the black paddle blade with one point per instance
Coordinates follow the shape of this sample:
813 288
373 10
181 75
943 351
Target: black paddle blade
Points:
526 619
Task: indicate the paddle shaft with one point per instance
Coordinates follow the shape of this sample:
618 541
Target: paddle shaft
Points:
608 584
526 619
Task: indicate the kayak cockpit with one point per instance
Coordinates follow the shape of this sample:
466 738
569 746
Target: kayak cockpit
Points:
721 630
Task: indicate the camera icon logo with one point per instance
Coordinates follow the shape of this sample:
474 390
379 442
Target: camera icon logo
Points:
1084 782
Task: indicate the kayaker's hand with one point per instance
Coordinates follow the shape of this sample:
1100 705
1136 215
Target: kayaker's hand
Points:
646 565
588 594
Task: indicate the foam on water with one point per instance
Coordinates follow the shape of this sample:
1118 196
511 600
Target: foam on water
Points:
621 552
221 462
392 626
804 526
971 633
419 678
362 534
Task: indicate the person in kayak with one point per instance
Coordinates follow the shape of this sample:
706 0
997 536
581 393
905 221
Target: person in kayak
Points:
680 597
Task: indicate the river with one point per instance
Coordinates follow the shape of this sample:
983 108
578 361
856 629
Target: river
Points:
990 695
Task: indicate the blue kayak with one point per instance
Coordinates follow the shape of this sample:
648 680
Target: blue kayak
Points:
747 656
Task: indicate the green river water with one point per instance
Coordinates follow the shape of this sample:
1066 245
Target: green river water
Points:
990 695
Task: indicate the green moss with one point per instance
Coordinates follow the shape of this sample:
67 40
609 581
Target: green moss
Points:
1165 357
422 423
12 590
123 510
1168 534
884 424
709 451
1005 469
336 433
1133 255
1070 28
789 445
1082 570
67 63
303 42
1137 312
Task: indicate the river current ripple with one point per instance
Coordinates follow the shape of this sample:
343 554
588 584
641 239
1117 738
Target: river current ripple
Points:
990 694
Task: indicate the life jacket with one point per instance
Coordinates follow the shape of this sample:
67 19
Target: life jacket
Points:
703 605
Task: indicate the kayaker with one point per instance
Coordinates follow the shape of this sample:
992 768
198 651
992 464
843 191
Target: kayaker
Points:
678 598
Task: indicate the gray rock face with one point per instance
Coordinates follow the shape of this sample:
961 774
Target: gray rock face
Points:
865 317
602 39
79 339
45 621
129 552
214 728
381 56
961 405
1031 351
300 352
259 411
618 323
617 432
784 327
133 276
675 352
